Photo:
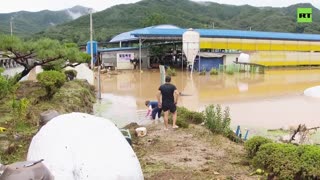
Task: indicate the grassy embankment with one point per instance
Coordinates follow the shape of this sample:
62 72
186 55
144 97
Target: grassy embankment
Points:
73 96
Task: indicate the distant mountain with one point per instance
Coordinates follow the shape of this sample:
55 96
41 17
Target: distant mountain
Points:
27 23
183 13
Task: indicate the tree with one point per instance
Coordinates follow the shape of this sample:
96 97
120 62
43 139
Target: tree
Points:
41 52
154 19
51 81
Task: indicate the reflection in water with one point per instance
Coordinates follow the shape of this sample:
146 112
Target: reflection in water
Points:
272 99
189 97
276 112
119 109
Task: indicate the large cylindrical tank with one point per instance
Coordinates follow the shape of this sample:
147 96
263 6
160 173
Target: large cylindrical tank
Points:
94 47
191 45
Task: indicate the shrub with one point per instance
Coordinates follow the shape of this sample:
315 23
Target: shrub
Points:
20 109
211 120
181 122
216 121
230 69
226 121
310 161
197 117
53 66
214 71
70 74
203 72
7 85
4 86
190 116
233 137
186 116
51 81
287 161
230 72
171 72
219 123
281 160
253 144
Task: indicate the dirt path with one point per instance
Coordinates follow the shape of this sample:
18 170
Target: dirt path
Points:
193 153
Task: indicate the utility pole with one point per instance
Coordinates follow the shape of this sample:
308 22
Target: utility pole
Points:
212 25
11 24
91 45
99 79
91 52
140 44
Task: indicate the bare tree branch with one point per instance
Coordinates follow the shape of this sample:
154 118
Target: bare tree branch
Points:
314 128
71 65
45 61
15 59
294 133
301 129
7 56
20 63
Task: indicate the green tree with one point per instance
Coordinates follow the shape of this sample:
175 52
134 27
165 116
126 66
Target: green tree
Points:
154 19
51 81
41 52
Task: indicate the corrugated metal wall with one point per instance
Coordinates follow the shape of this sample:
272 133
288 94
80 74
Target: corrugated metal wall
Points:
270 52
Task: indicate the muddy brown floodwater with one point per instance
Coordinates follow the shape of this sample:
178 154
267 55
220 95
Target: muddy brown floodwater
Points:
271 100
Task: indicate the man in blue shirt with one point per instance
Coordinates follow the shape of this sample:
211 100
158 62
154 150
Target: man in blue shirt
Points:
153 108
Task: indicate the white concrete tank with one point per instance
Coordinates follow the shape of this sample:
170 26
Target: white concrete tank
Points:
191 45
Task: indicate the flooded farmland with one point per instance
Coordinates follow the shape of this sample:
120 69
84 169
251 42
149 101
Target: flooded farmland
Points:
271 100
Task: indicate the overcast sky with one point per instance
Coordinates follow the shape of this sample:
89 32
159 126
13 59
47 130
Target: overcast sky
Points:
37 5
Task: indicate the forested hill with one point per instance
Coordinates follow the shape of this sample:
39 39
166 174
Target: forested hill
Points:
186 14
26 23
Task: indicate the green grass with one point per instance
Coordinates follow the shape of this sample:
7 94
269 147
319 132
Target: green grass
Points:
73 96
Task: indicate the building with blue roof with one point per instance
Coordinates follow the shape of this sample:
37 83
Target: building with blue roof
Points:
167 31
264 48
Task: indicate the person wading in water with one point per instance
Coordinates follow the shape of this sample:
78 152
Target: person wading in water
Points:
168 102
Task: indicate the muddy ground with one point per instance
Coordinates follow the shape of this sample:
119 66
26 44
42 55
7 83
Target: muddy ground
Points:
193 153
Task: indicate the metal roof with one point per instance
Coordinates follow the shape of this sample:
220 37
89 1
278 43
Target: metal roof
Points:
257 35
176 33
117 49
128 36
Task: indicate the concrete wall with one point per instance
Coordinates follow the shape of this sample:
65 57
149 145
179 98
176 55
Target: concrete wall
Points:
230 58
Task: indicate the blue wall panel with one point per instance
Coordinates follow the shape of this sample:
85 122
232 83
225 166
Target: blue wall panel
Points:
207 63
